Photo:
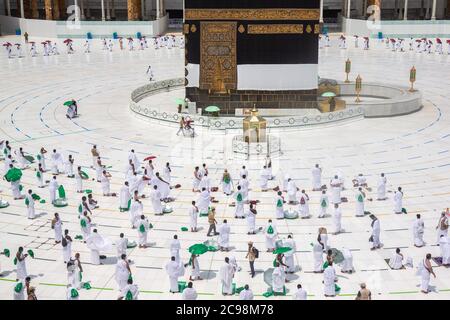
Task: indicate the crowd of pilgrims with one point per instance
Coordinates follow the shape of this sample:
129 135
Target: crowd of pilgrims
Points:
142 181
418 45
49 47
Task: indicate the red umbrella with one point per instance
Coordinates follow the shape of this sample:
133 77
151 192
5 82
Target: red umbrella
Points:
448 41
67 41
44 42
17 44
438 40
130 39
149 158
32 42
7 44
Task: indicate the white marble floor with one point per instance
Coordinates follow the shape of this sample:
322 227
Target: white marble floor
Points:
412 150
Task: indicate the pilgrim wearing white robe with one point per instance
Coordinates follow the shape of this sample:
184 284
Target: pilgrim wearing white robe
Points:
226 274
15 188
318 257
251 219
323 205
142 226
21 268
122 274
381 188
67 250
304 206
337 218
336 191
189 294
329 277
86 231
224 236
444 246
239 210
289 256
203 201
175 247
246 295
41 158
155 197
316 178
425 277
285 182
396 261
195 268
376 234
359 204
324 240
173 269
163 187
132 156
124 197
271 234
106 187
279 209
121 247
244 188
30 206
97 243
205 182
347 264
418 231
193 214
227 185
300 294
52 187
292 191
398 202
442 232
58 230
278 280
79 181
136 210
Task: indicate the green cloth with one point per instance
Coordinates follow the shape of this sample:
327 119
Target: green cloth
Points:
38 174
86 286
323 203
74 293
83 223
31 253
279 203
15 261
35 196
19 287
13 175
281 250
142 228
84 175
404 210
184 229
80 208
198 248
239 197
27 202
6 252
61 192
360 198
129 295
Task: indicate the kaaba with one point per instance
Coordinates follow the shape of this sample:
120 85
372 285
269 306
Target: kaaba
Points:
245 53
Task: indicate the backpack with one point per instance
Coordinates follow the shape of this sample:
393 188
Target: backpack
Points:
360 198
142 228
239 197
256 252
279 203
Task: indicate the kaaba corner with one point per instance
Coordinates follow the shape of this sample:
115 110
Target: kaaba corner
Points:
241 53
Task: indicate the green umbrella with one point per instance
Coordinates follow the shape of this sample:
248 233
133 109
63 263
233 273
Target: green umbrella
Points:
35 196
338 257
31 253
198 248
281 250
328 94
42 201
212 109
179 101
184 229
84 175
68 103
61 192
13 175
6 252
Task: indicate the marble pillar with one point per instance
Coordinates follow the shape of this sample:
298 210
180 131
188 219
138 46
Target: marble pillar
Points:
82 16
134 9
108 12
321 12
405 11
34 9
113 10
56 15
103 9
48 9
433 11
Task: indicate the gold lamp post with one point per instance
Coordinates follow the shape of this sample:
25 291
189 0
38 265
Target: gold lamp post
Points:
412 78
348 67
358 87
254 127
